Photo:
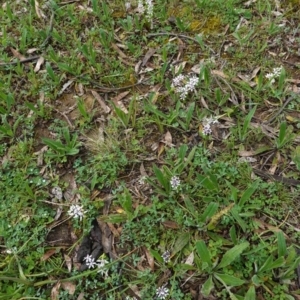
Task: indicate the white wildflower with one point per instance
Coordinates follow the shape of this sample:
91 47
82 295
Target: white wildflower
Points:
90 261
141 8
175 182
142 180
178 80
130 298
76 211
101 267
207 122
276 73
162 292
146 7
57 192
184 84
127 6
166 256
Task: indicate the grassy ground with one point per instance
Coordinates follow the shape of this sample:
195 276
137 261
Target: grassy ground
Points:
121 180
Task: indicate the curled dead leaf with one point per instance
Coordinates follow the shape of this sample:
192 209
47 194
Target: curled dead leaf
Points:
39 63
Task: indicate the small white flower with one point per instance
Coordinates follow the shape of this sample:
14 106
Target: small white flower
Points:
142 180
90 261
57 192
146 7
177 81
207 122
12 250
166 256
141 8
130 298
175 182
184 84
127 6
162 292
275 74
101 267
76 211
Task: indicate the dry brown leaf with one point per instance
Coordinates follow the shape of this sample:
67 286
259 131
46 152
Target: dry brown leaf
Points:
143 170
55 291
120 52
140 263
69 286
168 139
160 149
204 103
113 229
118 103
68 261
170 224
190 259
244 153
106 236
17 54
147 56
40 61
32 50
149 258
40 155
102 103
65 86
48 254
219 73
180 67
80 296
38 11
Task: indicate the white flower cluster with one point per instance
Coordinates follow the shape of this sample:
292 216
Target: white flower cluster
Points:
130 298
207 122
146 7
76 211
184 84
162 292
166 256
175 182
276 72
100 263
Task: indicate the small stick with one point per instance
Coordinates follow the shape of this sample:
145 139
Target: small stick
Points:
22 61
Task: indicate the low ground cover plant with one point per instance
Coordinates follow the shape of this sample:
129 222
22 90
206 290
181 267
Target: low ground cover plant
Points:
149 149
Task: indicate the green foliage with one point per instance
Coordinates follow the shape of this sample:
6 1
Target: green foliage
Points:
60 150
148 169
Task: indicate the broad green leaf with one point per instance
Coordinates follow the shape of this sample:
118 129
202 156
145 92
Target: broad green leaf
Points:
232 233
240 221
282 135
190 206
270 264
203 252
281 244
126 202
160 177
247 194
208 182
207 287
181 242
256 280
210 210
228 279
232 254
113 218
156 255
250 295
